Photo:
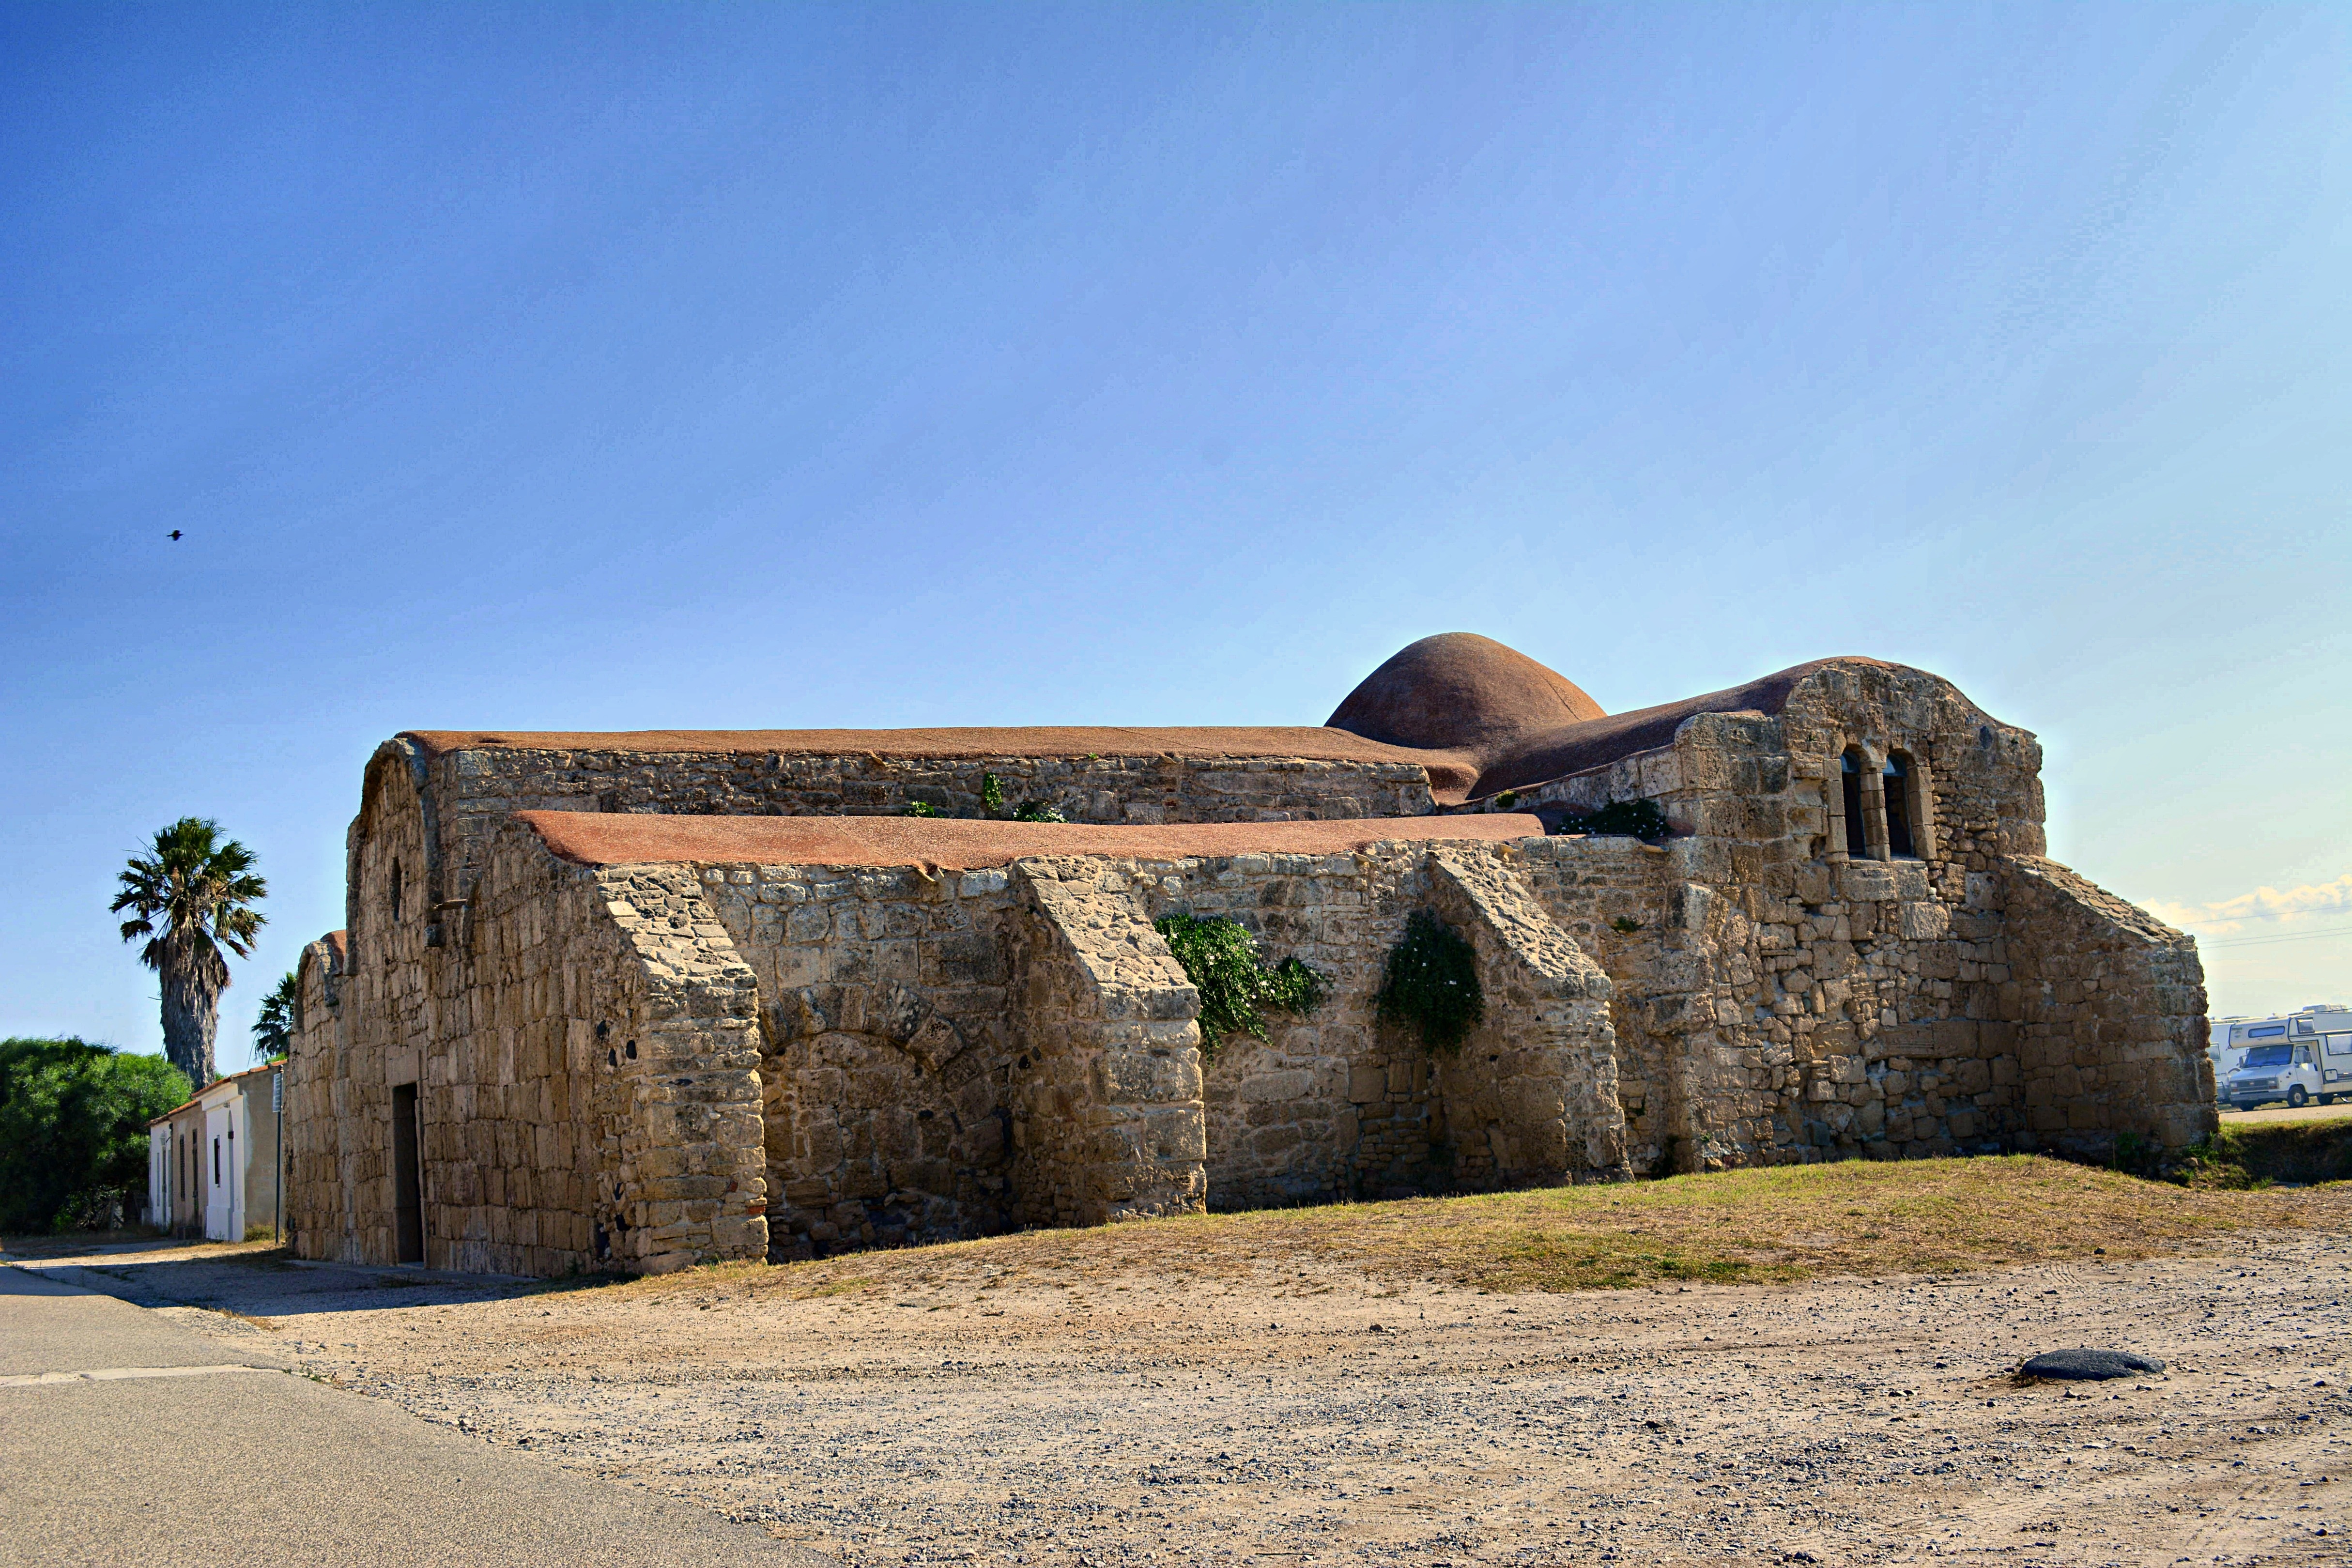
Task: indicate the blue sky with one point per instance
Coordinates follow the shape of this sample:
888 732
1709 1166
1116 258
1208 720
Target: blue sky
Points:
618 367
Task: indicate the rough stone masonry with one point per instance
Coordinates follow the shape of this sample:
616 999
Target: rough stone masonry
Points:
634 1001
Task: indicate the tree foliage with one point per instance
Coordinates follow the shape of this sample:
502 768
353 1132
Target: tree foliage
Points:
280 1015
73 1130
191 894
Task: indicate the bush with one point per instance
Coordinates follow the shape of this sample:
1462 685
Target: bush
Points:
1432 983
1038 811
1619 818
1220 959
73 1130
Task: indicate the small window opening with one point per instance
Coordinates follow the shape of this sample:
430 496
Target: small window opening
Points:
1850 777
1897 778
216 1161
396 890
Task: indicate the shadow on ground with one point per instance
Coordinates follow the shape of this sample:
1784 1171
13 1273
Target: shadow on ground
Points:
251 1280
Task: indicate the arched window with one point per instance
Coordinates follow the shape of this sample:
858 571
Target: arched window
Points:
1897 781
1857 842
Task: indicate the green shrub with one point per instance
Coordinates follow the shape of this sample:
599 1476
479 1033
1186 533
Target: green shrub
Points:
1619 818
992 792
73 1130
1220 959
1432 983
1038 811
921 808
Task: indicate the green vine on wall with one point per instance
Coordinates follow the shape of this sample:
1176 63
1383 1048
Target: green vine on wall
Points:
992 804
1432 983
1619 818
1220 959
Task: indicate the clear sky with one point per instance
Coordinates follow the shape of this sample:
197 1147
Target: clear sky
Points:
588 367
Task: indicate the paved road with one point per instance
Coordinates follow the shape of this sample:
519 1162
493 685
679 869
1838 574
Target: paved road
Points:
126 1440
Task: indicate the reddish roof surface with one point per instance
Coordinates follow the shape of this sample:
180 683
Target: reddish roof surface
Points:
1573 748
1478 716
1460 691
976 743
621 839
189 1103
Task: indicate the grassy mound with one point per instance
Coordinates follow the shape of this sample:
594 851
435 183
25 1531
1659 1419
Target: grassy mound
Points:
2250 1154
1786 1223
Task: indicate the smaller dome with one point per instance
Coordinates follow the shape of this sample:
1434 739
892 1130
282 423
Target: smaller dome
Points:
1460 691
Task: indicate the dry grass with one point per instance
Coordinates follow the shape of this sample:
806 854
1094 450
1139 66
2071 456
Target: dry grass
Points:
1783 1223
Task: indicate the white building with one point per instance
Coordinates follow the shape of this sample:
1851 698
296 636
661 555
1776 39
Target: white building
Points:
212 1164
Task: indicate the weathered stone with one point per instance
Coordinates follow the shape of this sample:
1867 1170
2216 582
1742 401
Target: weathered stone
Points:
639 1065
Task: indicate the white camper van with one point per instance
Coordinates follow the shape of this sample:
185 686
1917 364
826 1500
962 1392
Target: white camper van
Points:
2297 1057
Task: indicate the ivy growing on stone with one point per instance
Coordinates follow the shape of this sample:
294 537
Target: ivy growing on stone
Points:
1220 959
1619 818
1432 983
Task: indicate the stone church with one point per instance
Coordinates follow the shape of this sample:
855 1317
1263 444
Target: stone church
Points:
635 1001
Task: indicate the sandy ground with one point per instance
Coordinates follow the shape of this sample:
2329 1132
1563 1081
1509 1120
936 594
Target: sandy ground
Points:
1316 1417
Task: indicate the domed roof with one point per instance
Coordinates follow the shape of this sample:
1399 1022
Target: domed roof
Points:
1460 691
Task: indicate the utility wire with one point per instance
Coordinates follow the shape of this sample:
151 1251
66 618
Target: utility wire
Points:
2290 936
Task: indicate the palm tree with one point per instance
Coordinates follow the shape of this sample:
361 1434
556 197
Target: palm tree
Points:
202 888
281 1015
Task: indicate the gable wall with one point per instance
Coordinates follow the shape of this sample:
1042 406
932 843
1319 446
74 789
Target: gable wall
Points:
1782 1001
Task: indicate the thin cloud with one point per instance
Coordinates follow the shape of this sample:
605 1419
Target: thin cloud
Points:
2262 906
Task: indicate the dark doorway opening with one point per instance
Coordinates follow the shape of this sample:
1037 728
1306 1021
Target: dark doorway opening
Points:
407 1189
1857 841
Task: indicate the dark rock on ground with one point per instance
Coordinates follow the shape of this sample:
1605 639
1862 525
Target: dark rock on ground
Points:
2090 1364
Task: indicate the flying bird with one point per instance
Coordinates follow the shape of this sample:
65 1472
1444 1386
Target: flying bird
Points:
176 534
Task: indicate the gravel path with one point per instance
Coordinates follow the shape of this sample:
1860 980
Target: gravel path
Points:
1316 1417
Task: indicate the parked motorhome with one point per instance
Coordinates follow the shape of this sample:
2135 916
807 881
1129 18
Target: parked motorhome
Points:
2217 1048
2296 1056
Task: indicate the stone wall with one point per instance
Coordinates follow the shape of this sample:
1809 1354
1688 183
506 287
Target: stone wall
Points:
887 1077
1532 1094
1339 1105
321 1201
683 1145
1108 1124
2110 1036
1778 998
461 795
583 1045
953 1053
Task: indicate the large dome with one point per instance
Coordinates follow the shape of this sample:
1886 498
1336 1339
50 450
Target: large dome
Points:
1460 691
